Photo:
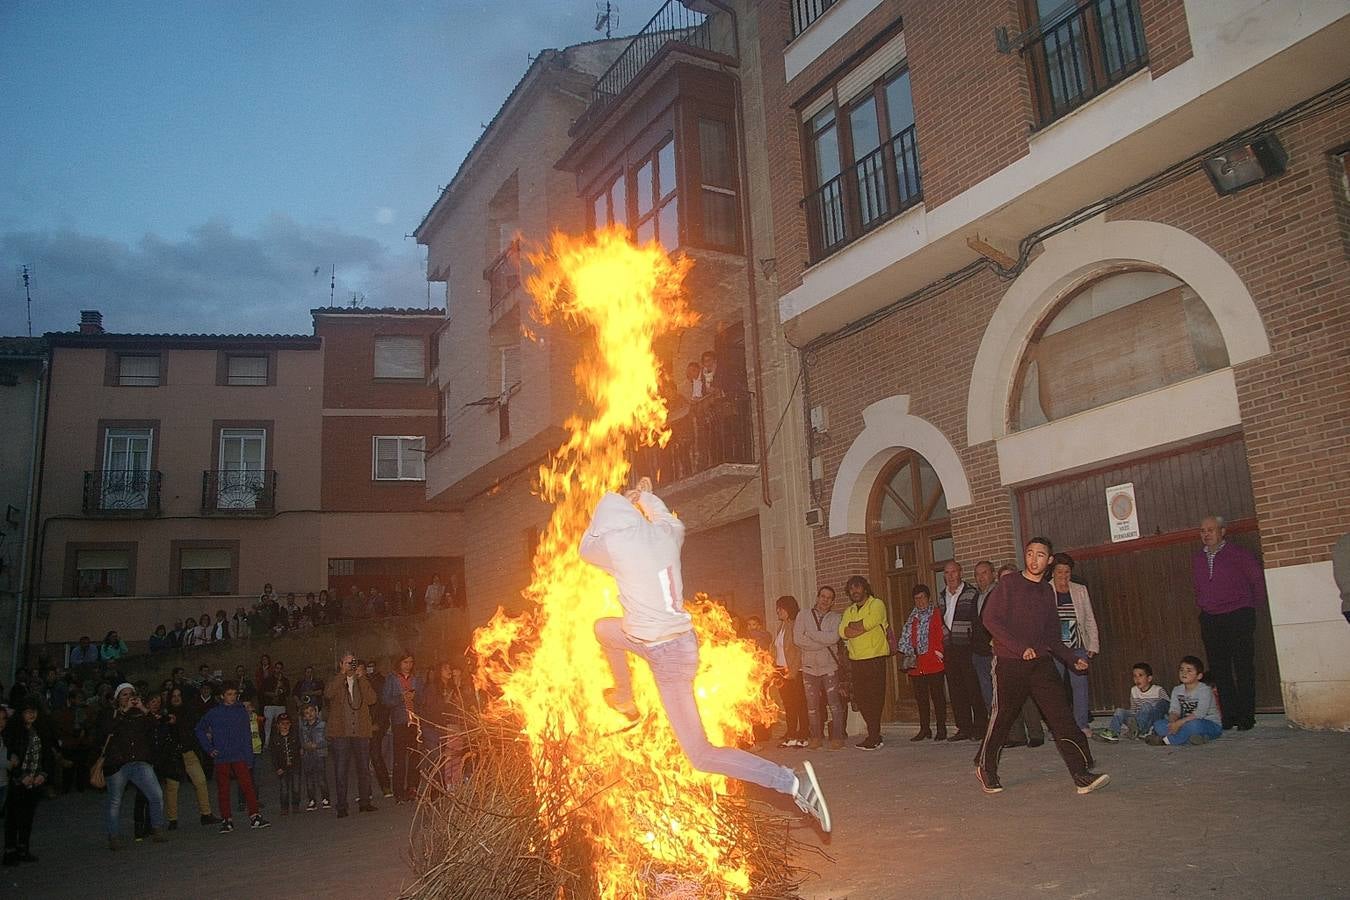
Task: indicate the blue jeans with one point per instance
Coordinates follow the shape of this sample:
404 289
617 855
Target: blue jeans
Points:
1209 729
674 664
1078 684
142 775
1150 712
829 686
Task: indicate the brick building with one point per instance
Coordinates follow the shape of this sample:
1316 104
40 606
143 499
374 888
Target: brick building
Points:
1034 250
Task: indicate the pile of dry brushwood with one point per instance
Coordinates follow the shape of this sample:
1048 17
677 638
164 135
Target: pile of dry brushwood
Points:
486 838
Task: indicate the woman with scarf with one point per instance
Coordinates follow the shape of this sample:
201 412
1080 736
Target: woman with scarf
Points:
31 762
921 647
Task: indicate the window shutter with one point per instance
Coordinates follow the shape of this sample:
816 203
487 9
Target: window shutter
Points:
400 356
138 370
887 57
509 357
247 370
386 457
214 558
98 560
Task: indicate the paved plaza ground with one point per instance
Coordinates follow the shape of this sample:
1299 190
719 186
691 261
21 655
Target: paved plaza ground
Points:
1260 814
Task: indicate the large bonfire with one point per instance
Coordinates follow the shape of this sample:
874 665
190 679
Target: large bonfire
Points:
612 797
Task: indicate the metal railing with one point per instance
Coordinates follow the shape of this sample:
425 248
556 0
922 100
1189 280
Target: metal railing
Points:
116 491
804 12
239 490
503 274
875 189
712 432
1080 53
673 23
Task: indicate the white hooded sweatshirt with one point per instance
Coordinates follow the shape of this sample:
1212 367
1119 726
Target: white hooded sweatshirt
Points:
642 552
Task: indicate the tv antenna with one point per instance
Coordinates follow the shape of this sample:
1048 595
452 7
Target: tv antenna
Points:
606 17
26 274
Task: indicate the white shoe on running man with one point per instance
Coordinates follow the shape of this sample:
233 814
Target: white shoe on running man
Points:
809 798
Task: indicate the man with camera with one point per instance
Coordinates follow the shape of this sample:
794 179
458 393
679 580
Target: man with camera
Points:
127 739
349 697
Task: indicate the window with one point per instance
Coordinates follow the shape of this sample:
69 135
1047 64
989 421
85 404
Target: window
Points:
246 370
1117 337
717 171
863 155
241 477
137 371
124 482
611 205
658 207
399 459
508 368
400 356
1078 49
205 571
103 573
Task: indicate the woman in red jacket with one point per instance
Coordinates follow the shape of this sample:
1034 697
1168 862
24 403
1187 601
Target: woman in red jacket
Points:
921 642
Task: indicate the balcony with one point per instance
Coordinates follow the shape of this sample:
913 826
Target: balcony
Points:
674 24
872 191
804 12
1077 54
503 277
121 492
713 433
239 491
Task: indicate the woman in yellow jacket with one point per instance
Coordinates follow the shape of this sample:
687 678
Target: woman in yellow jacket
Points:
863 628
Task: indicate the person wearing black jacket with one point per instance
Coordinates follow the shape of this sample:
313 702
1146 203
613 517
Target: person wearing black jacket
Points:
1021 617
127 736
182 717
31 764
285 749
167 758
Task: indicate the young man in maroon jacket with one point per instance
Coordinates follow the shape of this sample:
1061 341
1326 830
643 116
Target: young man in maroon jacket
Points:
1021 617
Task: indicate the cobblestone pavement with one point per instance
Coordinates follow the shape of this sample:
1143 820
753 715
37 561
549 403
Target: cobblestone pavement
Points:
1255 814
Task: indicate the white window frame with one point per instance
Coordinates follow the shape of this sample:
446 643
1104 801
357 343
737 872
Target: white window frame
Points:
409 447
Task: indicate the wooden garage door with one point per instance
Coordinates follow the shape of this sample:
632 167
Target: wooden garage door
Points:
1141 590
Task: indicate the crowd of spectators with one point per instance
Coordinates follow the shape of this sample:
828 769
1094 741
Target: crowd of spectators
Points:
69 729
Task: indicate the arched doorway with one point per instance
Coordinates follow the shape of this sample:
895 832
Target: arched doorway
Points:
909 539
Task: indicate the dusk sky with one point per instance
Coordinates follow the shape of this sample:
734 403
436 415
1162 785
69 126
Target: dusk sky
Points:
186 165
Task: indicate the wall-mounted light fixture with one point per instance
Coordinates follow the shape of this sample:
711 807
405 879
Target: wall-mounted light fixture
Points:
1247 164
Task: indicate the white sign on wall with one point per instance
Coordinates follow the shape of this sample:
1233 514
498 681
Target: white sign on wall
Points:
1122 513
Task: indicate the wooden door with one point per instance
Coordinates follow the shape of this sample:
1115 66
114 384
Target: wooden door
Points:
910 539
1141 590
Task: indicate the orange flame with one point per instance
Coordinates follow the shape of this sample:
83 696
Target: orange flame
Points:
647 810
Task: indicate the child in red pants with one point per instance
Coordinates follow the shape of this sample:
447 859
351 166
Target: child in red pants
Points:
225 735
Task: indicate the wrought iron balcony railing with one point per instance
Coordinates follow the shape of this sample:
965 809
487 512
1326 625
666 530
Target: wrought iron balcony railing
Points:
1075 55
239 491
804 12
503 274
673 23
121 492
875 189
712 432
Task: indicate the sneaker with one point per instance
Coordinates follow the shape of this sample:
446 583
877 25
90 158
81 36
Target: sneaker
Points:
311 806
1198 739
258 822
209 819
785 744
869 745
625 707
325 804
809 798
388 795
1155 740
138 838
1107 735
1090 781
921 736
814 744
989 782
226 826
173 824
959 736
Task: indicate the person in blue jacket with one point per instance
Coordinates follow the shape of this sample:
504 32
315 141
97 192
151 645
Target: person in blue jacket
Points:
401 693
225 735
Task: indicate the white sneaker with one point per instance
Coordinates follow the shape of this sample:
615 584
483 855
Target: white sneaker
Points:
809 798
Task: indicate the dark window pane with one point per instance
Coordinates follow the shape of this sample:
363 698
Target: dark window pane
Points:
665 169
862 123
719 218
669 226
826 155
644 189
714 150
899 103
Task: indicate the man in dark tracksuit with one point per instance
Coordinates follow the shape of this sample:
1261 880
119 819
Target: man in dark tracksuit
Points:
1021 617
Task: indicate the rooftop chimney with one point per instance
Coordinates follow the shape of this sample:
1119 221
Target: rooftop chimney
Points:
91 321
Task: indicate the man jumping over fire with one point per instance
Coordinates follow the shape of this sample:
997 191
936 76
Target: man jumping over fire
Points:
636 539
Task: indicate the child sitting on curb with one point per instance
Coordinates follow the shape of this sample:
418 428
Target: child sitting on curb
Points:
1148 703
1194 715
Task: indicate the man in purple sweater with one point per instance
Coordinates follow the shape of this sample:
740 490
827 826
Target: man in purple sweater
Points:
1021 618
1229 583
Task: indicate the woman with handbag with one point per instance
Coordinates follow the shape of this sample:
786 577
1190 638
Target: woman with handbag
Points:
921 645
31 763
